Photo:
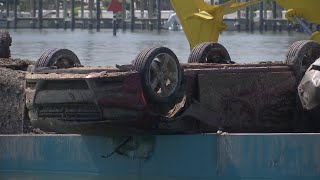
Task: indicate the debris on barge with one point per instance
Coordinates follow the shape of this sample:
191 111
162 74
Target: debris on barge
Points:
12 94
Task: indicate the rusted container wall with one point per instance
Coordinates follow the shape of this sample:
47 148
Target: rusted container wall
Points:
251 101
246 98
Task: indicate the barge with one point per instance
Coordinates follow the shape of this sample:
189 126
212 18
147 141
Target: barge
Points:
158 119
169 157
199 140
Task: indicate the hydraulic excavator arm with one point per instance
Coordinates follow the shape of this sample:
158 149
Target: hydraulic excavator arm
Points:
307 10
203 22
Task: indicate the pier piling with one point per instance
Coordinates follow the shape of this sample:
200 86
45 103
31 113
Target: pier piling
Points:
261 20
72 14
142 8
159 15
247 18
15 11
7 13
33 13
251 22
151 14
274 14
82 13
57 14
123 15
114 24
237 24
65 23
91 4
265 16
98 13
40 14
132 18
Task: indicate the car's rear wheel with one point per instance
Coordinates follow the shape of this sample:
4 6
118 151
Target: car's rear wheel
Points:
301 55
209 52
60 58
161 74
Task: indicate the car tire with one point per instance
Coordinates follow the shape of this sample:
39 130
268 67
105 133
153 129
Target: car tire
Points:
301 55
209 52
161 74
61 58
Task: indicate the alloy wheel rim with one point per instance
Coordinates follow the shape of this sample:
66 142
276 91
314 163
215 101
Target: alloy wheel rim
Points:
163 75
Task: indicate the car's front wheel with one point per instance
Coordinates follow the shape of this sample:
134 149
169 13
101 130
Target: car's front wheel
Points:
161 74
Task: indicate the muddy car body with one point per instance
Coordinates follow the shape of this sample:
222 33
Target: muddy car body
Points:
212 94
83 98
73 99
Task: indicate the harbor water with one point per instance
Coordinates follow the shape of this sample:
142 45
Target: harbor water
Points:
102 48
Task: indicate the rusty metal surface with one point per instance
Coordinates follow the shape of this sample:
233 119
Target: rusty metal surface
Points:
250 100
73 76
213 65
237 98
75 70
226 69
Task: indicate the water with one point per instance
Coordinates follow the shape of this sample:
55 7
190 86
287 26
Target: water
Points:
102 48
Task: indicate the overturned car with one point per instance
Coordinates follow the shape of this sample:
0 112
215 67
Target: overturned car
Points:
157 94
63 95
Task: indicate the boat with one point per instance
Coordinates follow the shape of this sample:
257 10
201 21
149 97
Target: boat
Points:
173 23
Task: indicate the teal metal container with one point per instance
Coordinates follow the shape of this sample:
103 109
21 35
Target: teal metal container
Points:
199 157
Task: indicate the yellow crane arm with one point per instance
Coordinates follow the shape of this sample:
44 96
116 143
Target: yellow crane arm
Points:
305 9
203 22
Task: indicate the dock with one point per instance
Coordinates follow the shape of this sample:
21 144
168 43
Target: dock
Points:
73 15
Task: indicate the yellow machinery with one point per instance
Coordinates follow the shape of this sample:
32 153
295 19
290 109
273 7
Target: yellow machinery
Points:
203 22
305 9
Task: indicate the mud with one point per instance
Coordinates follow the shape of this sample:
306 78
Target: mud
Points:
12 96
15 64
